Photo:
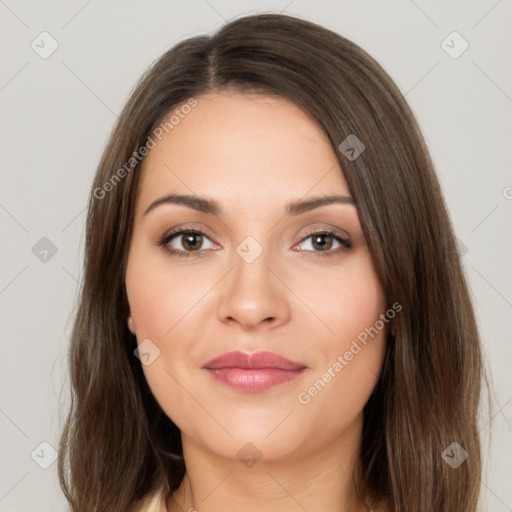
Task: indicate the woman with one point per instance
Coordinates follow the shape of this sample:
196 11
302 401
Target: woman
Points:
273 314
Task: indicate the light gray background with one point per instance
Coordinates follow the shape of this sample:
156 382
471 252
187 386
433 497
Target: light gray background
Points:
56 114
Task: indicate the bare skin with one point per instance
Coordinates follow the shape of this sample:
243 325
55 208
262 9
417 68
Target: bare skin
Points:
254 155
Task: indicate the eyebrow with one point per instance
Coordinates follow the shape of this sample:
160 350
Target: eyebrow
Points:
212 207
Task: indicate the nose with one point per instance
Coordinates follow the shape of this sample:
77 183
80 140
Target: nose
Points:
251 295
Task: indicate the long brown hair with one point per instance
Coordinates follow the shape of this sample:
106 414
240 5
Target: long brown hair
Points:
117 444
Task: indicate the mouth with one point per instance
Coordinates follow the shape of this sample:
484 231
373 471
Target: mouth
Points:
253 372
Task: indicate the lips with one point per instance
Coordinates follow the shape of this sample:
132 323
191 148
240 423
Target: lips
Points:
258 360
253 372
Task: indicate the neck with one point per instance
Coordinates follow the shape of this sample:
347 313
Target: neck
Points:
315 480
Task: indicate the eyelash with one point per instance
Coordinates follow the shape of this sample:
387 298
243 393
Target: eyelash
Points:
345 244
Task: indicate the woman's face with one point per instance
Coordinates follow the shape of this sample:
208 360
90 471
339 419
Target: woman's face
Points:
261 272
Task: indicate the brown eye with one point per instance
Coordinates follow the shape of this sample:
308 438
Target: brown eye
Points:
324 243
191 241
186 242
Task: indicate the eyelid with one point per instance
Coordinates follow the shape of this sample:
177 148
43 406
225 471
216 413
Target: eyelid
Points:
177 232
345 243
188 228
327 228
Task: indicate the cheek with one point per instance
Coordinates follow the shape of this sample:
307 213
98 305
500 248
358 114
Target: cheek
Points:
160 295
165 304
336 392
346 300
352 347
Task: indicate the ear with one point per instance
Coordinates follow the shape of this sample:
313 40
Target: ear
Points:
131 325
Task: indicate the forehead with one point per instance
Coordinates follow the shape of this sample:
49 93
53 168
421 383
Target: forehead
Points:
243 147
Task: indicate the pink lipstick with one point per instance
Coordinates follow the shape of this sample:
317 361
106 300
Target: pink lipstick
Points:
253 372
